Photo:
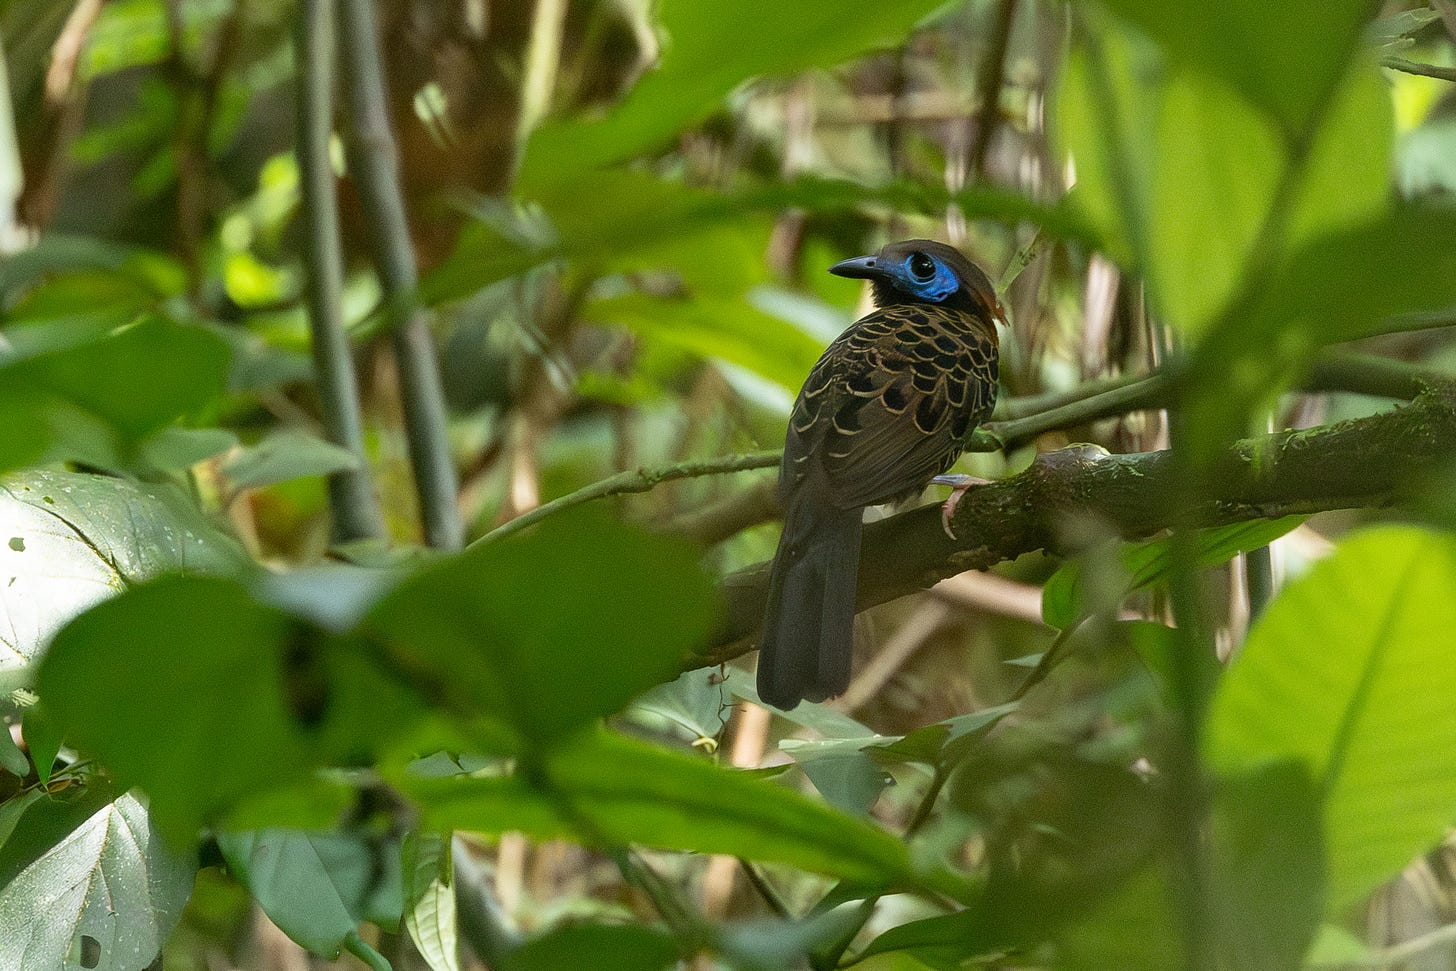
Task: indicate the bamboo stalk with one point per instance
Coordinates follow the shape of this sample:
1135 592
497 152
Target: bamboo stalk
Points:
355 508
373 159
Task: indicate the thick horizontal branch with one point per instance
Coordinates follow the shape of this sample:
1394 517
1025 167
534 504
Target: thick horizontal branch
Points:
1362 462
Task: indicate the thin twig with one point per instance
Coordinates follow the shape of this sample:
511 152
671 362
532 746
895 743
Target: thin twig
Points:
1342 372
639 480
374 164
355 508
1414 67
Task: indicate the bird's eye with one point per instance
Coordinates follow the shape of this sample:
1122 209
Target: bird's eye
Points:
921 266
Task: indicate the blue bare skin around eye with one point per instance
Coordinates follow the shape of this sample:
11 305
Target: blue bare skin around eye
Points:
937 288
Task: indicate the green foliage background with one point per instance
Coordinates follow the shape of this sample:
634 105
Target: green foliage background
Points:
222 697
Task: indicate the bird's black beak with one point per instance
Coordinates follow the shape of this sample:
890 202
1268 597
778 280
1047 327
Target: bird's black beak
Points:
859 268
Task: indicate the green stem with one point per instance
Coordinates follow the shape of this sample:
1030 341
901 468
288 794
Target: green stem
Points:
356 513
356 946
374 163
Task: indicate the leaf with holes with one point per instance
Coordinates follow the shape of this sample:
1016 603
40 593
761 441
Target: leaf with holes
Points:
105 895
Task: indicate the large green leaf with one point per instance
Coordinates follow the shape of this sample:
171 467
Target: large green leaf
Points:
548 631
69 540
103 896
1179 173
180 687
1349 671
703 59
607 789
193 690
1283 57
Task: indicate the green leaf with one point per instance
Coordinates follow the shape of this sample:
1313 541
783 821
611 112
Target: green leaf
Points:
317 887
198 730
1284 57
727 329
1179 172
13 808
286 455
1071 593
178 449
202 731
547 631
106 895
704 59
611 790
44 739
83 402
429 898
1349 671
944 742
697 704
69 540
946 940
12 759
1268 867
1135 929
595 947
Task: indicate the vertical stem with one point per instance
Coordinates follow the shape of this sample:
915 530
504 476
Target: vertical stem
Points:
1185 802
12 176
543 58
374 163
993 71
356 513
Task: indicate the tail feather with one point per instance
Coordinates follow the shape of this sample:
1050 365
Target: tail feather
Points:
808 630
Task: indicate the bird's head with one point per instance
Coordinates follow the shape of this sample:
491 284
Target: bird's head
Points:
924 271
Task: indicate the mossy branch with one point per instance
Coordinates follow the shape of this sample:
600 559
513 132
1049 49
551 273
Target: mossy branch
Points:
1358 463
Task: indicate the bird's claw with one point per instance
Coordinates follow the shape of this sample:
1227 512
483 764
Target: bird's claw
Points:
959 484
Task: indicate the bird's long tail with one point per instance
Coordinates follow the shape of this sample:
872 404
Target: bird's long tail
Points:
808 629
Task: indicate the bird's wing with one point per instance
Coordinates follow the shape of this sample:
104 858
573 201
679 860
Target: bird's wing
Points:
891 401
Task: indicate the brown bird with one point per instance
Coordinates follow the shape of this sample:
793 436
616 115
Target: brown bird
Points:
886 410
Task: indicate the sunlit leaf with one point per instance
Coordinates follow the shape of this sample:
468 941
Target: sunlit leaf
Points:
69 540
1284 57
105 895
1348 671
429 898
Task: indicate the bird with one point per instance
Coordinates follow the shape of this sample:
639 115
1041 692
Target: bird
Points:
884 412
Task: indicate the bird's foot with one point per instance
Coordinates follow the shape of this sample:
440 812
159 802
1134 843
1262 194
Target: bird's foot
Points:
959 484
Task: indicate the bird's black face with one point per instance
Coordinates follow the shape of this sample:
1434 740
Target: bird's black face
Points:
921 270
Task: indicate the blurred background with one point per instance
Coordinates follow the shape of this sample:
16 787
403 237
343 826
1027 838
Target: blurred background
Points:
620 215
